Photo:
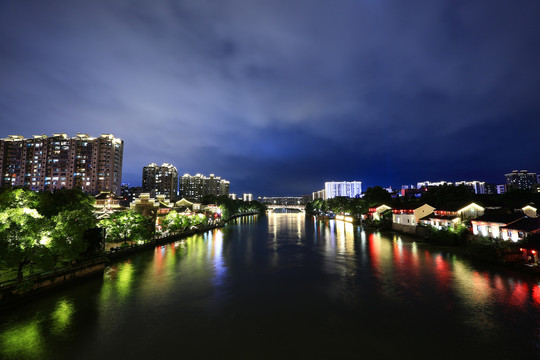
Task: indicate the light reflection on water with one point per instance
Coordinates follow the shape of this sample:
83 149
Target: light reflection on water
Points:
23 341
62 316
256 280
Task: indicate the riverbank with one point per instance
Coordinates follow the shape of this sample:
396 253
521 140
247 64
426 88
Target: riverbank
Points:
129 250
32 286
12 294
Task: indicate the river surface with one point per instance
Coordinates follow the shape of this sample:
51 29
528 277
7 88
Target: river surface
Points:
284 286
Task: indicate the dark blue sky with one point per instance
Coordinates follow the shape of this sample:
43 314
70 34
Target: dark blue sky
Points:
280 96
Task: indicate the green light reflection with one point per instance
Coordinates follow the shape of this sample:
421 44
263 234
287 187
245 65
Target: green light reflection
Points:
62 316
22 342
124 279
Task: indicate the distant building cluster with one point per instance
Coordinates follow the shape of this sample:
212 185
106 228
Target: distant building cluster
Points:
478 187
94 164
164 180
47 163
516 180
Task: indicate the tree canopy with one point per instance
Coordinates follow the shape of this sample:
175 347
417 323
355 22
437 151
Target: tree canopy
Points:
127 225
43 228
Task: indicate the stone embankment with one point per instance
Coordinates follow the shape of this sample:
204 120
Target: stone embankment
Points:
12 293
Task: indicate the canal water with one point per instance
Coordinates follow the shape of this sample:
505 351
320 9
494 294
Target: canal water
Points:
285 286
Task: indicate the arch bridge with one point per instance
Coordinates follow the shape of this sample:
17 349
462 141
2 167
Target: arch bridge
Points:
272 208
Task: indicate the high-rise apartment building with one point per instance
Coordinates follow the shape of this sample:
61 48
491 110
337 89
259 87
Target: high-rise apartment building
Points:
160 180
342 188
46 163
196 186
520 180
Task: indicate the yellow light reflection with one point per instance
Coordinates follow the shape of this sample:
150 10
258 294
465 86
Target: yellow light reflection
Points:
288 223
471 285
345 237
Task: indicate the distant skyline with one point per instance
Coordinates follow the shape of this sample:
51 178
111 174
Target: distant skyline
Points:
278 96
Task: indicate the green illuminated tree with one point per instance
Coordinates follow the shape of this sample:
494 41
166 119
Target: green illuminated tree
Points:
68 233
198 220
127 225
24 236
18 198
175 222
178 222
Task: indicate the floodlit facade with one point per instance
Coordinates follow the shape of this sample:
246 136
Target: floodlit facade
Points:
47 163
530 211
452 215
247 197
160 180
376 213
490 225
349 189
410 215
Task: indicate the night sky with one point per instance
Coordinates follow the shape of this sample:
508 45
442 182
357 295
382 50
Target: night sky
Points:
280 96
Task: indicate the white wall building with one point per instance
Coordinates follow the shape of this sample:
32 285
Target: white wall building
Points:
409 216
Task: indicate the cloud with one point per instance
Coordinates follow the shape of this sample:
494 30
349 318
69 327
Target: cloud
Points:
277 84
